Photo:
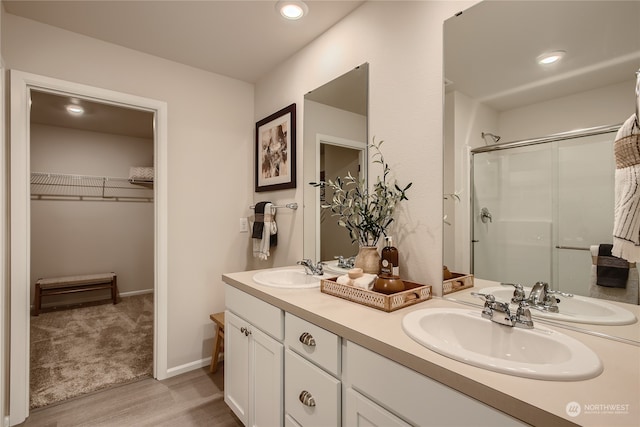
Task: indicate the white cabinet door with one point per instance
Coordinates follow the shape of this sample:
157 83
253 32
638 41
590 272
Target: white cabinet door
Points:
266 379
253 373
361 412
236 366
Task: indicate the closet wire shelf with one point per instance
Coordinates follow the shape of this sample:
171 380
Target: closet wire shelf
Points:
57 186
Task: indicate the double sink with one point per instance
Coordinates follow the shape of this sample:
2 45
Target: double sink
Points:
464 335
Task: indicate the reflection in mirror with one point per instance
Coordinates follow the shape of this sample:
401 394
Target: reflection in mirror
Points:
335 144
533 212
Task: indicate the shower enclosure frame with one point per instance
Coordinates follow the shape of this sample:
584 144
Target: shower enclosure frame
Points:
563 136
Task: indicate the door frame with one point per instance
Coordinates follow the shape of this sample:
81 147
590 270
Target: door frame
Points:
353 144
21 84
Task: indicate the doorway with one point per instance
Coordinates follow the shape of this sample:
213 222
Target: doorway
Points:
336 157
22 84
90 214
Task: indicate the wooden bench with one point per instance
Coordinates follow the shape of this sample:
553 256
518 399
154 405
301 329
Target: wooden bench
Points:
218 319
73 284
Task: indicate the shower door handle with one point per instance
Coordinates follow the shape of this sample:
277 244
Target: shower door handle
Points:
485 215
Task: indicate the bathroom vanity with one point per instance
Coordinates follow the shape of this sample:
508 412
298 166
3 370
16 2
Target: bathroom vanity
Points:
298 357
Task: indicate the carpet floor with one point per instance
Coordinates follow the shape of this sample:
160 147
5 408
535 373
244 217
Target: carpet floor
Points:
82 350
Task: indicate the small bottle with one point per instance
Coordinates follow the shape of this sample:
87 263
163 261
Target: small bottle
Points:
389 259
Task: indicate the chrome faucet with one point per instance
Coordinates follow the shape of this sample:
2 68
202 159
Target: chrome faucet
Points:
541 296
499 312
345 262
310 269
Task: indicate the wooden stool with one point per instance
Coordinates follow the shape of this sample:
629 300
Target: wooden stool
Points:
218 319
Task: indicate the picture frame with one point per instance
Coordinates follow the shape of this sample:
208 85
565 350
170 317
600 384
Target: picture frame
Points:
275 162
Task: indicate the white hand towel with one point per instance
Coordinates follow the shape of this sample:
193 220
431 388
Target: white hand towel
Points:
366 281
626 221
344 280
261 246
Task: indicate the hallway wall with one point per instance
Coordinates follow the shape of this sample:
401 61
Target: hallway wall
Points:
210 172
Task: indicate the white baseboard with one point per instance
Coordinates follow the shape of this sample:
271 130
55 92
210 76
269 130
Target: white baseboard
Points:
192 366
187 367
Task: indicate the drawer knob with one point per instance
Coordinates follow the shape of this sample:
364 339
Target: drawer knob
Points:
307 339
307 399
245 331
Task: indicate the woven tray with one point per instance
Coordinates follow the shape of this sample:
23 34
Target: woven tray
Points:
413 294
457 283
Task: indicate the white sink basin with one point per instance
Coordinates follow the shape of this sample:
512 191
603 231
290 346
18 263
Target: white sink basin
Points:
539 353
577 309
287 278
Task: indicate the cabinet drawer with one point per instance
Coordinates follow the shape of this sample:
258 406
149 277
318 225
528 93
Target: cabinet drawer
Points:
415 397
264 315
322 391
360 412
322 347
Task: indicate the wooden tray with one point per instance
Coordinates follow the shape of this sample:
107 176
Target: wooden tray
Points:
413 294
457 283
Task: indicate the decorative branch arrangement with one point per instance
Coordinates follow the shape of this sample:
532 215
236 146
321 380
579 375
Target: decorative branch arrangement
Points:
365 213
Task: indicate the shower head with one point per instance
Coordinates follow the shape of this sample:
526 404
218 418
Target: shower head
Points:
494 138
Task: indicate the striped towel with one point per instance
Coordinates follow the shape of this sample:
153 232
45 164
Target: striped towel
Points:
265 230
626 222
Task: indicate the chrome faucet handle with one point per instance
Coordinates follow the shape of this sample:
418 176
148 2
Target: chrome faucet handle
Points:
518 293
486 297
489 303
523 316
319 269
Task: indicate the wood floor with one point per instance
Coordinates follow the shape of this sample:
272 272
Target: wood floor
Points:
191 399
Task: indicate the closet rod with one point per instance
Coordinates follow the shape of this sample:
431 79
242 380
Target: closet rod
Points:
293 206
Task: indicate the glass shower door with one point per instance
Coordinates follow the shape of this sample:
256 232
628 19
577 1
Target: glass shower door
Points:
538 209
514 186
585 206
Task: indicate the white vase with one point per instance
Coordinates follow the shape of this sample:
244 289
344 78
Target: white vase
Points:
368 259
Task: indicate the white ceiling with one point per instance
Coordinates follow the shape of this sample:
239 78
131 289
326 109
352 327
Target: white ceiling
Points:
491 49
240 39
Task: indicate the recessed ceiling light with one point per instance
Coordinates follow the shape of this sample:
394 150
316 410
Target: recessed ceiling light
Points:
292 9
74 109
550 57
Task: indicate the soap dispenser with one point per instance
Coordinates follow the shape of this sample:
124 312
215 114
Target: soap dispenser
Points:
389 259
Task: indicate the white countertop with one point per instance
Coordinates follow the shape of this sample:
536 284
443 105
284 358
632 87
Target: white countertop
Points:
610 399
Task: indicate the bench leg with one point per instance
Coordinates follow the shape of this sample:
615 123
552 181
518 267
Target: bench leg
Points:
114 289
217 349
37 300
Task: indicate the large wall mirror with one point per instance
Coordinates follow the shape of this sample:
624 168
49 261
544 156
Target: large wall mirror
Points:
335 144
533 212
523 204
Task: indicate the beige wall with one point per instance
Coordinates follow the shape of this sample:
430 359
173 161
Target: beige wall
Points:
210 157
210 151
72 237
402 42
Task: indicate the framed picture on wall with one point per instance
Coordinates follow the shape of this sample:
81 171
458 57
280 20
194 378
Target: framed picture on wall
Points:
276 151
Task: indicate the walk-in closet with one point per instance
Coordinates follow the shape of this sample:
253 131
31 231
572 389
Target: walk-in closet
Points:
92 214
